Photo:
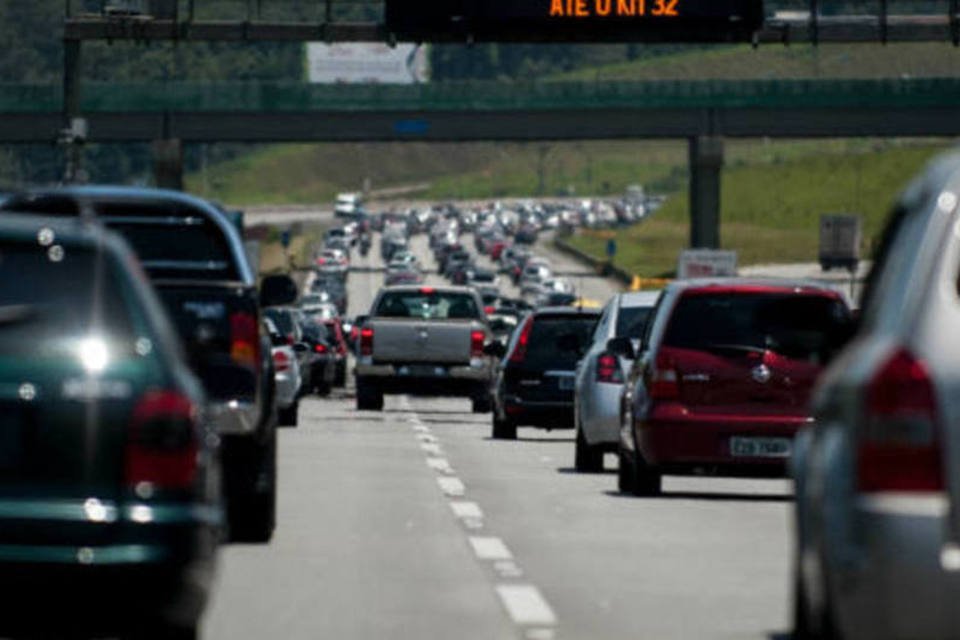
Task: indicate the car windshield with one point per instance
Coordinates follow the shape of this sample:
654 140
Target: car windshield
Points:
548 348
806 327
428 305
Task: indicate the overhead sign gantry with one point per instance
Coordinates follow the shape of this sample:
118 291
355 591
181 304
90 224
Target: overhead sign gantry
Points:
575 20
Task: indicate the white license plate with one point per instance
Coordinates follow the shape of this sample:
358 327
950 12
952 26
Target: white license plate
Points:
423 371
566 384
760 447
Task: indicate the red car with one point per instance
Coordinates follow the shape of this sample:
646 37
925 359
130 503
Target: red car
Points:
497 248
723 379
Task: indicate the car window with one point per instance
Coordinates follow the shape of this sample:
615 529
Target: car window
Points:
33 320
807 327
179 250
544 344
632 321
428 305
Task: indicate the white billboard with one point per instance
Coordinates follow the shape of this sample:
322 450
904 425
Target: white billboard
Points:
355 62
706 263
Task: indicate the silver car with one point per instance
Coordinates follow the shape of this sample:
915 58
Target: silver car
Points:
600 378
287 375
878 473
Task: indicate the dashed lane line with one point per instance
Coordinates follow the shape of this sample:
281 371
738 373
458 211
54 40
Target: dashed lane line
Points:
451 486
490 548
526 605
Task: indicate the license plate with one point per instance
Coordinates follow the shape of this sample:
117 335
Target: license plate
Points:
423 371
760 447
566 384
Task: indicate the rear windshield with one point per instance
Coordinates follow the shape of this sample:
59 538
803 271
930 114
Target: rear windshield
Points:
806 327
547 346
180 250
47 306
282 319
433 305
631 321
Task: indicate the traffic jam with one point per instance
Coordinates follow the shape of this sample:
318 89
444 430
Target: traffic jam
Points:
150 375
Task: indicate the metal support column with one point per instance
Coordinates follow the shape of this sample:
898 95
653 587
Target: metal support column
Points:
168 163
706 162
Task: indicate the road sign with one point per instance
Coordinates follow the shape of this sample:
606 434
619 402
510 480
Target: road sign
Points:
611 248
706 263
575 20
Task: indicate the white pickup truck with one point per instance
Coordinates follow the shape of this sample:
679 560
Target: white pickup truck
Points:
424 341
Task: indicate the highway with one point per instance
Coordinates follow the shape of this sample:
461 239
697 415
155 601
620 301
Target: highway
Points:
413 523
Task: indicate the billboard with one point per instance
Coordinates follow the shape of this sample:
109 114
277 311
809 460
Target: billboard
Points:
355 62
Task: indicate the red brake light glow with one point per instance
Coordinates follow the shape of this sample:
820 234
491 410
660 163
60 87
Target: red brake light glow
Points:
366 341
281 361
662 380
608 369
899 449
520 349
476 344
427 291
320 348
162 444
244 339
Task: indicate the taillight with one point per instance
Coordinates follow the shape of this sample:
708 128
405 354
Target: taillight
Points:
162 444
608 369
899 449
244 339
427 291
662 380
476 344
488 309
366 341
281 361
320 348
520 349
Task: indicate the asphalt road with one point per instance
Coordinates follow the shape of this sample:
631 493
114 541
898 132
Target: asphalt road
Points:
412 523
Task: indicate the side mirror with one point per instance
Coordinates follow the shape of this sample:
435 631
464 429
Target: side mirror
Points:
622 347
301 347
495 349
277 291
359 321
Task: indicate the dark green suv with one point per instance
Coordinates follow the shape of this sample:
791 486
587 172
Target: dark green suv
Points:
110 512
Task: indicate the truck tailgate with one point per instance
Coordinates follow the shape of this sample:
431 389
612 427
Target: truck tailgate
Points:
433 341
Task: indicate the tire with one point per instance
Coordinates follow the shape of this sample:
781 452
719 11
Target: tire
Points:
636 477
587 459
340 376
626 477
503 429
288 417
805 626
482 403
253 514
369 397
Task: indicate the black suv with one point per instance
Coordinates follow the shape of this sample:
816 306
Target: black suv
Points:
535 381
196 261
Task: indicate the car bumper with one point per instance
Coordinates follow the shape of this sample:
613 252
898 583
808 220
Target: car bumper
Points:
600 413
287 388
234 417
544 414
894 585
673 438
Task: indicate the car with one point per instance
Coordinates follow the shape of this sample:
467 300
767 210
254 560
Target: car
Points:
526 234
288 322
343 236
724 378
110 462
600 377
323 359
402 273
195 260
876 474
332 261
347 205
535 380
286 366
338 349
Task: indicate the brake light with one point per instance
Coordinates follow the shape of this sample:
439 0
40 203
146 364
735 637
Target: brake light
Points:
608 369
281 361
162 444
321 261
476 344
320 348
662 379
366 341
244 339
488 309
520 349
899 449
427 291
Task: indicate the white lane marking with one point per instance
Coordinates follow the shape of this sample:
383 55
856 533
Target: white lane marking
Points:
488 548
426 437
451 486
507 569
432 448
466 509
525 604
540 634
421 428
473 523
441 465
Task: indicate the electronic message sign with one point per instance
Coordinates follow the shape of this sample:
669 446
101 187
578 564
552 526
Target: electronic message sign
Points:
573 20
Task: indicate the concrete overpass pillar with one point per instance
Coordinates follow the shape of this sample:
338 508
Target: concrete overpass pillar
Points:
168 163
706 162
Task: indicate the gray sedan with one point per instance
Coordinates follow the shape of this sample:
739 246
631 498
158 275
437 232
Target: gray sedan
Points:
600 377
878 474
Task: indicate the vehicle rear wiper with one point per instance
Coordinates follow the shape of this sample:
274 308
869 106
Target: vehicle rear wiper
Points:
16 313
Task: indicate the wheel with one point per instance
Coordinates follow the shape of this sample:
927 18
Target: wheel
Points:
253 508
369 398
807 623
503 429
340 377
482 403
637 477
288 417
586 458
625 473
